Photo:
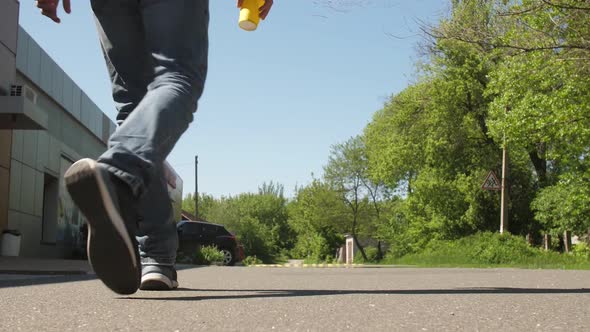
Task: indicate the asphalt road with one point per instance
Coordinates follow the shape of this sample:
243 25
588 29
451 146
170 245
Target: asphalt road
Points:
307 299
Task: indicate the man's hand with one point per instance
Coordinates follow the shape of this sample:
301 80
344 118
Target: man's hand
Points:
49 8
264 10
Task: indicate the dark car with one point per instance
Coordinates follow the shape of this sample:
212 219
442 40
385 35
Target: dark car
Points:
194 233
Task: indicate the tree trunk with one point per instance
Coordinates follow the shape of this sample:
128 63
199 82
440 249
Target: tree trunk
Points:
547 242
356 241
567 241
529 239
355 211
358 245
537 157
379 251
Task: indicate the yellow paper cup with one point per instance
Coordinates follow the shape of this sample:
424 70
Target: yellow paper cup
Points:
250 14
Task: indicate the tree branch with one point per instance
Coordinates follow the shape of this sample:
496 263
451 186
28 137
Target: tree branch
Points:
525 49
552 4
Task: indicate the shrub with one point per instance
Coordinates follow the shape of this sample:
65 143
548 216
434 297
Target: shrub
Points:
211 254
257 239
183 258
251 260
371 253
482 248
199 259
195 257
203 256
493 249
581 250
313 247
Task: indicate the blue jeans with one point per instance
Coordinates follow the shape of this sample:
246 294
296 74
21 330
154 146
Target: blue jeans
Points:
156 55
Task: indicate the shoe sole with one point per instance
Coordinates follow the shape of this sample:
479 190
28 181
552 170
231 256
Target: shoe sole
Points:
112 252
156 281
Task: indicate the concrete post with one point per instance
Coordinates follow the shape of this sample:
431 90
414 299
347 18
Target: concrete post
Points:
547 242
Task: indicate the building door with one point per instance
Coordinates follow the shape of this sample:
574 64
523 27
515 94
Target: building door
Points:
69 218
50 203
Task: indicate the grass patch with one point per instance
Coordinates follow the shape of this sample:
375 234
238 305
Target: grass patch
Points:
489 250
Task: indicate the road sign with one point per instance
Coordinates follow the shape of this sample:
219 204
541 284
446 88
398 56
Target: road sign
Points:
491 182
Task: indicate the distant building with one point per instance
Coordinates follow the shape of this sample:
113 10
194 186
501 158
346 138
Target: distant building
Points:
185 215
46 123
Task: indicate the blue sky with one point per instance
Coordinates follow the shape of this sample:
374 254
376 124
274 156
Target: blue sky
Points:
276 99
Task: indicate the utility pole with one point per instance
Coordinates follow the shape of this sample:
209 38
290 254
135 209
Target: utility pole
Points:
196 187
505 189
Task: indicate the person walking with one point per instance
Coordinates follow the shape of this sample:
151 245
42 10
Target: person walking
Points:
156 55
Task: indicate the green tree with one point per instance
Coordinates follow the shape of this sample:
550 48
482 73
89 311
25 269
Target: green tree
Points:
543 78
432 143
319 218
521 26
259 220
347 174
393 153
206 203
564 206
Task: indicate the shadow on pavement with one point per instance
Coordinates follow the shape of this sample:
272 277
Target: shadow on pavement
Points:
279 293
20 280
31 278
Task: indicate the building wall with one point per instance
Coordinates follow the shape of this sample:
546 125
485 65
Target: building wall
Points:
33 199
8 44
39 206
5 146
8 37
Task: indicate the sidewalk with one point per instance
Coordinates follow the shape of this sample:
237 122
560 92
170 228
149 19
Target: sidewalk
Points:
38 266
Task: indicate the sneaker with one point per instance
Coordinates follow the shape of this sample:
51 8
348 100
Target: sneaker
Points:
158 277
112 248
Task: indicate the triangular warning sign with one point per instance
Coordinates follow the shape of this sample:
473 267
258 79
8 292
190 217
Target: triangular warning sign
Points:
491 182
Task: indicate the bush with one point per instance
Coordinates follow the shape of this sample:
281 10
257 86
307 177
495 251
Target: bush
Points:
251 260
494 248
491 249
581 250
211 254
481 248
183 258
331 260
202 256
312 247
371 252
257 239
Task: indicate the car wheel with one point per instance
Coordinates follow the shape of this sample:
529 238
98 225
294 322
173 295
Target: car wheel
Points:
228 257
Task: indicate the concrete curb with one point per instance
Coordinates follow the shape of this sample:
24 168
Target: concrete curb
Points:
310 265
47 272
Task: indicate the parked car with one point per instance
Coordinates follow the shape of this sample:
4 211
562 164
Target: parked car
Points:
194 233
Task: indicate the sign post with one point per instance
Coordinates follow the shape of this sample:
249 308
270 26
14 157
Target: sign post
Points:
505 192
491 182
196 188
504 202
